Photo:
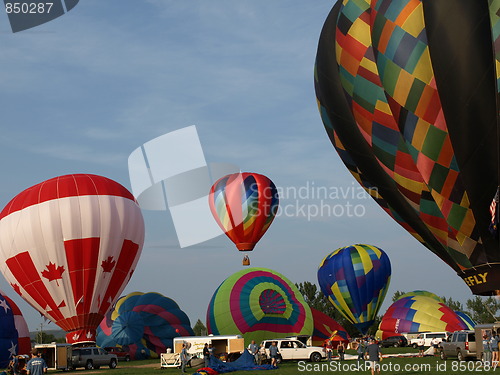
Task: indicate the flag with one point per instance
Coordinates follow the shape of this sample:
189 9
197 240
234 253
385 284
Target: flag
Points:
494 215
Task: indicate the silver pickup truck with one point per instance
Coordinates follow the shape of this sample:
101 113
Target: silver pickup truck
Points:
461 344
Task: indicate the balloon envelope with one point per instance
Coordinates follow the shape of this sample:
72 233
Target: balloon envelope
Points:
258 303
144 324
244 205
419 314
418 133
14 333
69 246
324 327
355 280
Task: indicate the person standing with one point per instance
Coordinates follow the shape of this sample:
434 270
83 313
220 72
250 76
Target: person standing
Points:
254 350
273 353
486 350
184 358
36 365
494 348
421 344
374 356
206 355
361 350
435 345
341 351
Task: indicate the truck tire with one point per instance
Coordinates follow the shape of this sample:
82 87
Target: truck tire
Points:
396 345
279 359
442 355
112 363
414 345
89 365
315 357
460 356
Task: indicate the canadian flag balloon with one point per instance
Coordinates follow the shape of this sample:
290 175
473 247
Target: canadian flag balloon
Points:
68 246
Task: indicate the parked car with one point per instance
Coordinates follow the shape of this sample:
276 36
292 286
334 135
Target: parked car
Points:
428 337
394 341
462 344
294 349
92 357
121 354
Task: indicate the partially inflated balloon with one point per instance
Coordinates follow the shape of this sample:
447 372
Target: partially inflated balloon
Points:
244 205
324 327
144 324
407 93
258 303
69 246
14 333
419 314
355 280
424 293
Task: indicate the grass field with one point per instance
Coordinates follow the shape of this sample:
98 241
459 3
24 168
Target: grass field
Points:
389 366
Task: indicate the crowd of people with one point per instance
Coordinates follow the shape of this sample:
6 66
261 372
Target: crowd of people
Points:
35 366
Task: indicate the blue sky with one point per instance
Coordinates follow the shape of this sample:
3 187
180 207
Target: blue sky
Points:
80 93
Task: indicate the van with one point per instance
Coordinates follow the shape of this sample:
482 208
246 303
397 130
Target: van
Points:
428 337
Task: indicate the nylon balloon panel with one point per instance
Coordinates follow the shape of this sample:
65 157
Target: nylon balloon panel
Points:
258 304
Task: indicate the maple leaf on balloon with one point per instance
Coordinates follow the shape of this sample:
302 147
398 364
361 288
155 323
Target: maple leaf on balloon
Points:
108 264
53 272
17 288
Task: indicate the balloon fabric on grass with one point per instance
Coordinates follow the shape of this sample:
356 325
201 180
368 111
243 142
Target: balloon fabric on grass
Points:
355 280
258 303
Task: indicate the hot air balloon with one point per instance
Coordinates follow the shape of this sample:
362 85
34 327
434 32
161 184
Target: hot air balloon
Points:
355 280
14 333
407 93
144 324
258 303
244 205
419 314
327 328
69 246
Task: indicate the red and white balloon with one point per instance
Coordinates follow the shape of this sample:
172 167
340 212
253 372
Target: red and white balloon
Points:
69 245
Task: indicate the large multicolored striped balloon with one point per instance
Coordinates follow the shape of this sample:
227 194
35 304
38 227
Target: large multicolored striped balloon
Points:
14 333
144 324
244 205
419 314
408 94
355 280
258 303
69 246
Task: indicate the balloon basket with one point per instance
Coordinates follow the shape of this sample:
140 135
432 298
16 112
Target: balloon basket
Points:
246 261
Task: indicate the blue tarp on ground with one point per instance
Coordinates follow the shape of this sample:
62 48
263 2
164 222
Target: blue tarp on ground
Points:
244 363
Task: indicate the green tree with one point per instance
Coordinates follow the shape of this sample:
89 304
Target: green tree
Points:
200 329
452 304
396 295
483 310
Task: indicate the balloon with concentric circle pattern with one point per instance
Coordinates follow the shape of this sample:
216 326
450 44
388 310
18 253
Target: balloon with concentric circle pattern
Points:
258 303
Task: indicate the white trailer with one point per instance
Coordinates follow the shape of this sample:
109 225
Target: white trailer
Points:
57 355
223 347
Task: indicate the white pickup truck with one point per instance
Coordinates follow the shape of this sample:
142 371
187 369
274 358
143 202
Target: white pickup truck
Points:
291 349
